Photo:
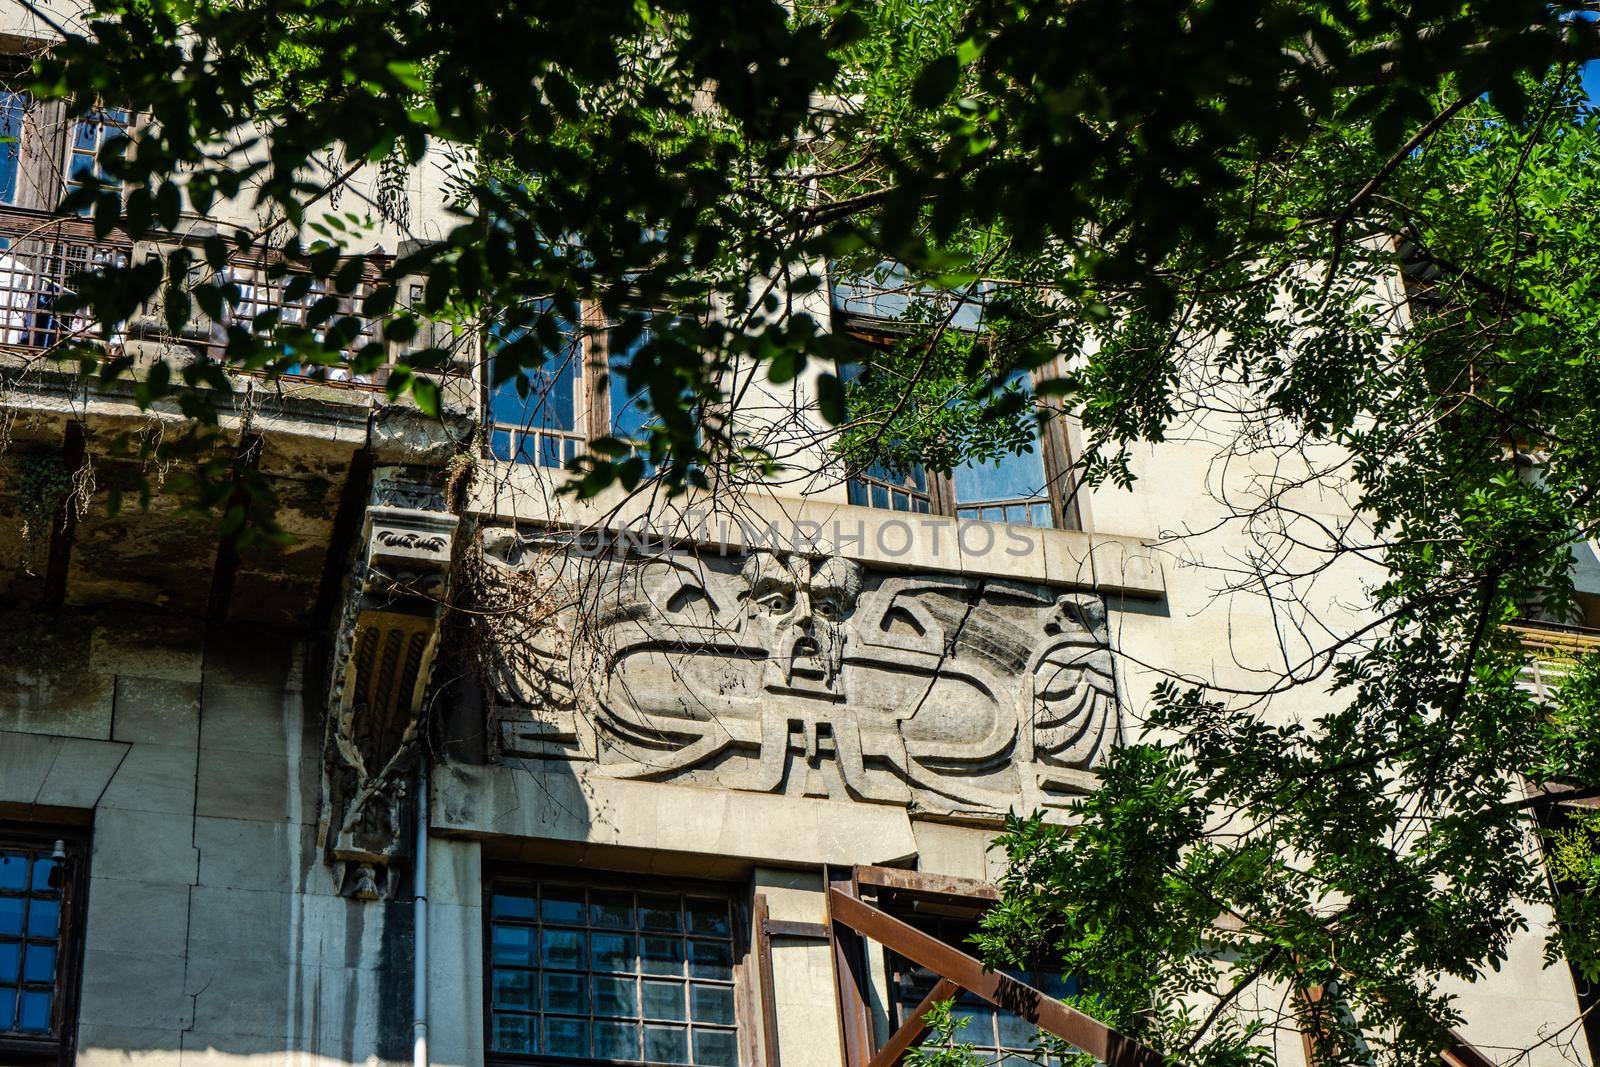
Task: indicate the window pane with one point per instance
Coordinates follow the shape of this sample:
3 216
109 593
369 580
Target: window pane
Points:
11 915
616 1041
512 906
563 948
514 989
661 955
33 1013
980 1024
1016 1032
711 1003
663 1000
10 966
13 871
666 1044
11 110
566 992
542 397
630 402
1011 476
708 916
615 996
659 913
39 964
43 868
563 906
566 1037
8 1009
514 1033
44 917
589 1000
611 909
711 959
612 952
716 1048
513 945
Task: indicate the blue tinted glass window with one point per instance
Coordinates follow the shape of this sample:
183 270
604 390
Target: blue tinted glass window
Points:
535 413
1013 488
630 401
996 1034
878 486
89 135
31 950
12 106
619 975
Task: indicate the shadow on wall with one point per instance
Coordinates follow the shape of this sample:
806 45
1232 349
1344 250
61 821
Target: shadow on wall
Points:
212 927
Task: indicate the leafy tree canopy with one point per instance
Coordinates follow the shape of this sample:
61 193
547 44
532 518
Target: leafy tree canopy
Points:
1369 227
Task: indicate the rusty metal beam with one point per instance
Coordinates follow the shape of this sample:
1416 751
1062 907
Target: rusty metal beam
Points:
1312 1034
914 1027
768 990
789 928
1073 1026
849 970
1459 1052
933 885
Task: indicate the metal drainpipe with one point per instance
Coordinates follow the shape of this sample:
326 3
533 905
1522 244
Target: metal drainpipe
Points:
419 982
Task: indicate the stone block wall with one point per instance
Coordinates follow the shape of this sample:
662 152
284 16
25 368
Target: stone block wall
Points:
213 931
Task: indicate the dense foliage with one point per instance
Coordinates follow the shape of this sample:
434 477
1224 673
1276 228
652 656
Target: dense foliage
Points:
1205 209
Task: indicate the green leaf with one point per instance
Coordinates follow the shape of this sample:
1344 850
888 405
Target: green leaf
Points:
425 391
935 82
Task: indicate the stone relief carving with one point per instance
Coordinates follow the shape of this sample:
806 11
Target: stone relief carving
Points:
383 652
808 675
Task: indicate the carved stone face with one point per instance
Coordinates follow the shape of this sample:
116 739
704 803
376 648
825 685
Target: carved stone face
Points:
806 603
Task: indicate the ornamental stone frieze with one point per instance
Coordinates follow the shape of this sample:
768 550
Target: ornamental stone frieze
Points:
387 637
800 674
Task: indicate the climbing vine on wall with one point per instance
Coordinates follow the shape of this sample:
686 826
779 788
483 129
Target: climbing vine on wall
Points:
43 485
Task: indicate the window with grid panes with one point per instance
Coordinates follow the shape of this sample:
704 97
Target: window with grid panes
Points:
89 135
535 414
612 973
997 1036
38 964
13 107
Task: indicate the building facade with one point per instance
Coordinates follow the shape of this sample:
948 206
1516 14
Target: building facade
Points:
703 780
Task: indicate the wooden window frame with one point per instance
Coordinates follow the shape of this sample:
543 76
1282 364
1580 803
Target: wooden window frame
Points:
743 982
61 1047
593 404
1053 442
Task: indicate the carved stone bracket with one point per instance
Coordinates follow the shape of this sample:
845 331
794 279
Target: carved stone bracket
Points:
383 653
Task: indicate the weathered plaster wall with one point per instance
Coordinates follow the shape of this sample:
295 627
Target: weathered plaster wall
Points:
213 934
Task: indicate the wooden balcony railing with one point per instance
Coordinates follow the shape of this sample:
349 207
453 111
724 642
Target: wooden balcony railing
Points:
1553 648
1031 510
41 254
